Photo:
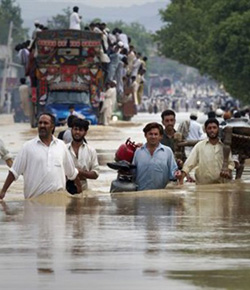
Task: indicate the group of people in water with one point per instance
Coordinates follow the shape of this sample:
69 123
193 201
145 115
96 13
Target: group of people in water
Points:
156 163
48 164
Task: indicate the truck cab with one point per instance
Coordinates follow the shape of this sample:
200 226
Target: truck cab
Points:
58 103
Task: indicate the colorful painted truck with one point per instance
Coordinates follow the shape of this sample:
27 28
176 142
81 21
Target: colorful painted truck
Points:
65 69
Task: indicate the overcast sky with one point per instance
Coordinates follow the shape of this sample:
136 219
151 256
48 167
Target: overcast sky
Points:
100 3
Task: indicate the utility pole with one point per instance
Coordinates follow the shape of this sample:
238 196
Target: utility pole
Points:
7 61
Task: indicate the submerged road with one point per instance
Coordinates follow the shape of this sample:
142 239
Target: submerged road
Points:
182 237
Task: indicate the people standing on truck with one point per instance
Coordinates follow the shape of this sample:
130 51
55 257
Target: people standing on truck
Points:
155 163
123 38
37 29
44 162
84 156
75 19
5 154
24 93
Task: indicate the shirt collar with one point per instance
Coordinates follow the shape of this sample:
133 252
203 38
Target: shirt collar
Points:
38 140
83 144
159 147
220 142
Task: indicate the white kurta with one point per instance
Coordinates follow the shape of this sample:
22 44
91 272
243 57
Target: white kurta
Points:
208 160
87 160
43 167
74 21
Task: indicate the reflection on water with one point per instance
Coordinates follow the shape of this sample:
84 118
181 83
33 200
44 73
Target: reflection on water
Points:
180 238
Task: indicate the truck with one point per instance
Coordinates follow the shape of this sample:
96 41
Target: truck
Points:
65 70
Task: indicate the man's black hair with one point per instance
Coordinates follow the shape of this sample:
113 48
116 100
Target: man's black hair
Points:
211 120
52 118
70 120
75 9
167 113
22 81
193 117
80 123
211 115
151 126
237 114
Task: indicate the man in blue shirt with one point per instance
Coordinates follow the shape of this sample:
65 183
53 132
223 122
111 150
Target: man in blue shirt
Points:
155 163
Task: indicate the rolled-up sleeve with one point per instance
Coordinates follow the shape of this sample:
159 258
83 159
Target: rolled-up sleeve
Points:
4 153
19 164
69 166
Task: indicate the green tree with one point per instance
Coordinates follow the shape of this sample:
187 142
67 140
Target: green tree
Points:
141 39
60 21
213 36
9 11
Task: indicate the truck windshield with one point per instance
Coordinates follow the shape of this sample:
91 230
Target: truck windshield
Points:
64 97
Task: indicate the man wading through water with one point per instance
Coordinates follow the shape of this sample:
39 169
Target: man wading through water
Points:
207 158
44 162
155 163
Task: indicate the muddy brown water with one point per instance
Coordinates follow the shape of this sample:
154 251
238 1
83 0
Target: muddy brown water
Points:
182 237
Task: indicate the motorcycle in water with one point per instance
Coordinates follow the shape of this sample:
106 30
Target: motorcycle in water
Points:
125 180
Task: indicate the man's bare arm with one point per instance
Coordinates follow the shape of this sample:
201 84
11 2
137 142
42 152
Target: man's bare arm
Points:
10 178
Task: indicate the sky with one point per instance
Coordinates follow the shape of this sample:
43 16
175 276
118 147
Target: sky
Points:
99 3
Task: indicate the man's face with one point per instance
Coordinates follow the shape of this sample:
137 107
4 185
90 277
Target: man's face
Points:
45 127
169 122
153 136
78 134
212 131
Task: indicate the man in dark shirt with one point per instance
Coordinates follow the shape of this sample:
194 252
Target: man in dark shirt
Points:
170 136
168 121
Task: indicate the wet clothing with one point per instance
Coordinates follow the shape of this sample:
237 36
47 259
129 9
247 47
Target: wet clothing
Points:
209 159
43 167
4 153
154 171
87 160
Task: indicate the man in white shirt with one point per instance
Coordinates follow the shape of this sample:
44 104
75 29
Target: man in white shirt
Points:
207 158
75 19
191 130
24 93
44 162
106 110
84 156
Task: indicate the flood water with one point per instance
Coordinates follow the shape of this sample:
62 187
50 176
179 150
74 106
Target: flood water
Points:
182 237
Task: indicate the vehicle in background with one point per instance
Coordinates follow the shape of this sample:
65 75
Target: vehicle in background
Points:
65 69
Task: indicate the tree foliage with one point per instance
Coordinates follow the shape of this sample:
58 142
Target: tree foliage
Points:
9 11
213 36
60 21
